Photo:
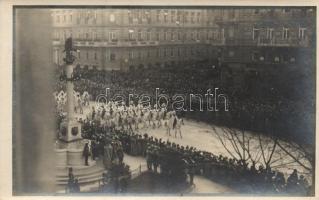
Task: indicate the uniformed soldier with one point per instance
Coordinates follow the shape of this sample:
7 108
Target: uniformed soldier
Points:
155 158
86 153
149 160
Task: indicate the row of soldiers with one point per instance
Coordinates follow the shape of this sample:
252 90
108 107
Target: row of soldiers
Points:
176 161
113 115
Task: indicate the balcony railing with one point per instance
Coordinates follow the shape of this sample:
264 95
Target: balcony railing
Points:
295 42
108 43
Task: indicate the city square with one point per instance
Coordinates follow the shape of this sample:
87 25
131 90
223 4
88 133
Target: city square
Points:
165 101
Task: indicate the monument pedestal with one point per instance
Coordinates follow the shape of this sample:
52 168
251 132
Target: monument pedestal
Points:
70 154
70 131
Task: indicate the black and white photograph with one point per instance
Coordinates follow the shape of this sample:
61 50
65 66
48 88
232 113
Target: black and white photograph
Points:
157 100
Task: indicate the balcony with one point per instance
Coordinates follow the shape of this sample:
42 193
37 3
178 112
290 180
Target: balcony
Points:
290 42
113 43
276 42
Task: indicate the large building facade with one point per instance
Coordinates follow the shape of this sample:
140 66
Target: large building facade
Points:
129 38
123 39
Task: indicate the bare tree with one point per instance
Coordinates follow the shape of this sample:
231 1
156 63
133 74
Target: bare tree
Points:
268 151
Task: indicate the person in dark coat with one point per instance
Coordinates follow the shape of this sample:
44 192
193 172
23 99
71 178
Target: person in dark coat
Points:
86 154
70 180
93 113
103 112
76 186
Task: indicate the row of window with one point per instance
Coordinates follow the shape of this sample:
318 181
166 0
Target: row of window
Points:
132 35
139 35
139 54
286 32
256 56
134 16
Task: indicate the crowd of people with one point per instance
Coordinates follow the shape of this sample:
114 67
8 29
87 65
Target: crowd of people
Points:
176 162
260 101
119 127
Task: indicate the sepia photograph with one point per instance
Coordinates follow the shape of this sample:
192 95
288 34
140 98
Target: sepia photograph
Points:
164 100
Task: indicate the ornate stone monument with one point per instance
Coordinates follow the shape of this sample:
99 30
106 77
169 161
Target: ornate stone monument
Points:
70 129
70 144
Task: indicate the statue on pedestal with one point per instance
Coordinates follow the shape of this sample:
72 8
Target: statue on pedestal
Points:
72 150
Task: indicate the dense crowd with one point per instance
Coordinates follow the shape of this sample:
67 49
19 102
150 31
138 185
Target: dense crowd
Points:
260 101
178 163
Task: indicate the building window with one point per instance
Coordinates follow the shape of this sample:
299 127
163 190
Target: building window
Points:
256 33
165 52
95 17
78 20
140 17
148 54
130 35
197 35
87 55
172 36
71 18
157 53
130 17
286 10
64 18
94 37
95 56
302 33
178 17
172 52
148 17
113 36
165 36
231 13
173 16
79 54
58 19
139 55
139 35
157 36
186 17
112 18
165 16
158 16
192 17
112 57
179 35
231 32
178 52
131 55
198 17
276 59
192 36
285 33
148 35
269 33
